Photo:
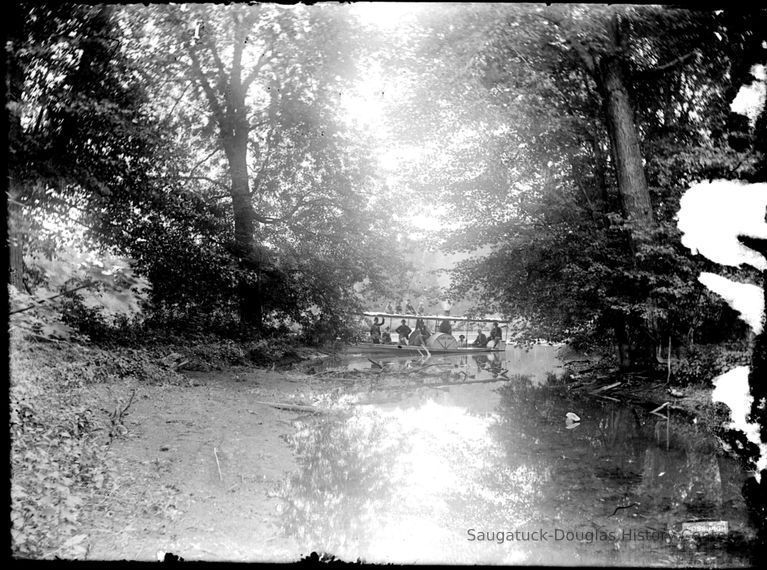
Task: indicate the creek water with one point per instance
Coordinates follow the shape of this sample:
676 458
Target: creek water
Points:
470 459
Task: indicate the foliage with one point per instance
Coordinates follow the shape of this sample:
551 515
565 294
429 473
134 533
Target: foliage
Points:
705 362
105 287
528 170
109 134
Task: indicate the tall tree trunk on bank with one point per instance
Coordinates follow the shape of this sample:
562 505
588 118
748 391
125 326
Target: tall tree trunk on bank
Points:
609 74
632 182
244 229
226 97
15 83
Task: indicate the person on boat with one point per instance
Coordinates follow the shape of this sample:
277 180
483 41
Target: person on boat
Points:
445 326
386 336
416 338
461 340
375 330
403 331
481 340
409 309
496 335
420 325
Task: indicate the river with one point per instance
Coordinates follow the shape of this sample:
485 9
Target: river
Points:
471 459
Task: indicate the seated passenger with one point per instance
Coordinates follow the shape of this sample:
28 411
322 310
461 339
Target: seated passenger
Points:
496 335
421 326
416 339
481 340
445 326
461 340
386 336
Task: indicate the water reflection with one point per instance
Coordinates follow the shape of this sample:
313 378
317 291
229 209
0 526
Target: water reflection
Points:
419 477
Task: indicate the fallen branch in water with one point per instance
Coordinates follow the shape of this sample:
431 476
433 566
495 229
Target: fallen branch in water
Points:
624 507
607 397
606 388
439 386
291 407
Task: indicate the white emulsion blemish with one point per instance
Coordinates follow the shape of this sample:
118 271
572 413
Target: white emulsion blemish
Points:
731 388
745 298
711 217
713 214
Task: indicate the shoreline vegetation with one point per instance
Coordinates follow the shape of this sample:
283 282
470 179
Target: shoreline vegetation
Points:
71 401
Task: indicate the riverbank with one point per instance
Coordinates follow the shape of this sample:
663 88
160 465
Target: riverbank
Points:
127 453
116 453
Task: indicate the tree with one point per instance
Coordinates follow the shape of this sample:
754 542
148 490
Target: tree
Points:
550 168
268 78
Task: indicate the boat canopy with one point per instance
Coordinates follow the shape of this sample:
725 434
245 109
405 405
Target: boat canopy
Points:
432 317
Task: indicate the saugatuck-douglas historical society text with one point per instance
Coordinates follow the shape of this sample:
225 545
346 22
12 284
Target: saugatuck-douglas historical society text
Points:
563 535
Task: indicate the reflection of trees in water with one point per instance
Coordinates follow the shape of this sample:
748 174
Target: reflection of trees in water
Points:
346 474
402 476
611 459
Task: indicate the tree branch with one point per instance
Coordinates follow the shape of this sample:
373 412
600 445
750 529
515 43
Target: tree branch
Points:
583 53
41 301
210 94
207 157
658 70
176 102
212 47
206 178
262 59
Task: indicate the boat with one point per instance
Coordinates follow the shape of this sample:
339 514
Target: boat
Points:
436 343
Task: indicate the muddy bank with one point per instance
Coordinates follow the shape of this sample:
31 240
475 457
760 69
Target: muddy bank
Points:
199 468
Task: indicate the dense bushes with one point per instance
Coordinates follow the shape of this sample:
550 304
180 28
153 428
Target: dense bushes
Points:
703 363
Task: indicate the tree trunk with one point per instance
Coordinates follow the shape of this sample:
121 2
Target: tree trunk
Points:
634 193
15 83
632 182
244 229
15 255
623 343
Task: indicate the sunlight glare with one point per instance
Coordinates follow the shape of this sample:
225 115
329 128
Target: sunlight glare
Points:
386 15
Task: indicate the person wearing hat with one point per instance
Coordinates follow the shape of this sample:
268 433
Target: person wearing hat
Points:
403 331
